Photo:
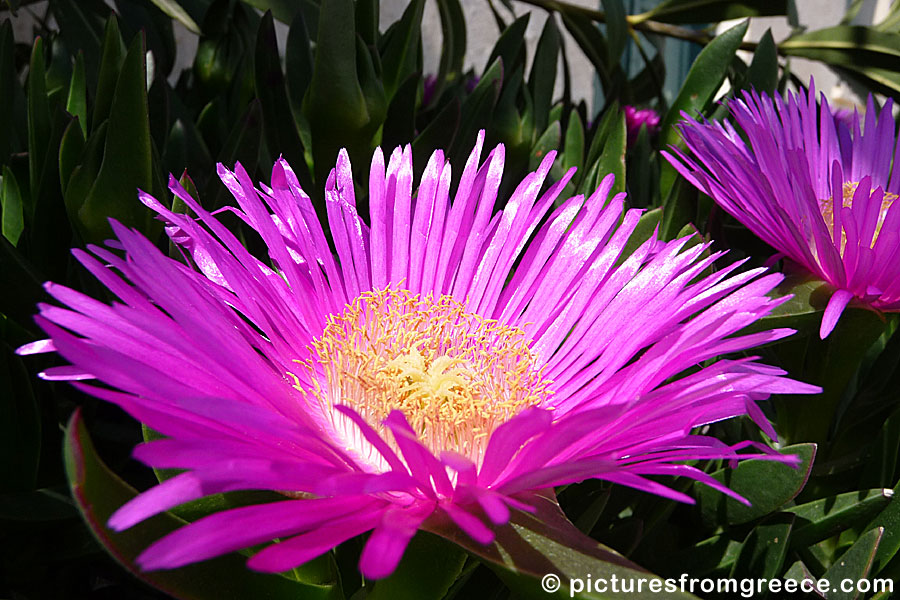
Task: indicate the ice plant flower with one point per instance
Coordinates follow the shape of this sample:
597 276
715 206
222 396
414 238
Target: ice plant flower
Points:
817 190
442 361
635 118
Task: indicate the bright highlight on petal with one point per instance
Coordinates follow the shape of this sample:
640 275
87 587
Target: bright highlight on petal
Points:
442 361
819 189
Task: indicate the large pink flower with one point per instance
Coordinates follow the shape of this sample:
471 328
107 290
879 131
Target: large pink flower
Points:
437 363
783 182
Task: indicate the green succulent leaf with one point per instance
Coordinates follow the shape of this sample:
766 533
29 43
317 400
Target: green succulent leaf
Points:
767 485
855 564
548 142
700 86
764 550
175 10
335 106
825 517
510 47
543 72
612 158
439 133
762 75
110 63
616 29
76 104
453 51
592 42
71 148
38 117
648 224
476 110
98 492
13 219
532 546
856 40
127 164
401 52
888 521
429 567
281 135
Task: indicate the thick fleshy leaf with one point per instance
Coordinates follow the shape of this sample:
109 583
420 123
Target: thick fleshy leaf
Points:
607 152
800 572
429 567
548 142
712 556
612 159
832 364
336 107
38 117
616 29
99 492
543 72
822 518
298 68
762 75
441 131
400 121
402 41
803 310
510 46
110 62
453 50
864 52
767 485
765 548
881 466
207 505
700 86
846 38
889 521
127 157
242 145
592 42
175 10
645 228
76 103
532 546
855 564
282 138
49 231
71 148
476 110
13 211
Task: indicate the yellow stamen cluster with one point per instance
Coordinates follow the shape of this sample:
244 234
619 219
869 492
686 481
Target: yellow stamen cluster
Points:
455 375
827 209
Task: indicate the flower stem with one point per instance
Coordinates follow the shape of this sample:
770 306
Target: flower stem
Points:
640 22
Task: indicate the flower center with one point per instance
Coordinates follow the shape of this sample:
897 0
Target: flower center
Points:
455 375
849 189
